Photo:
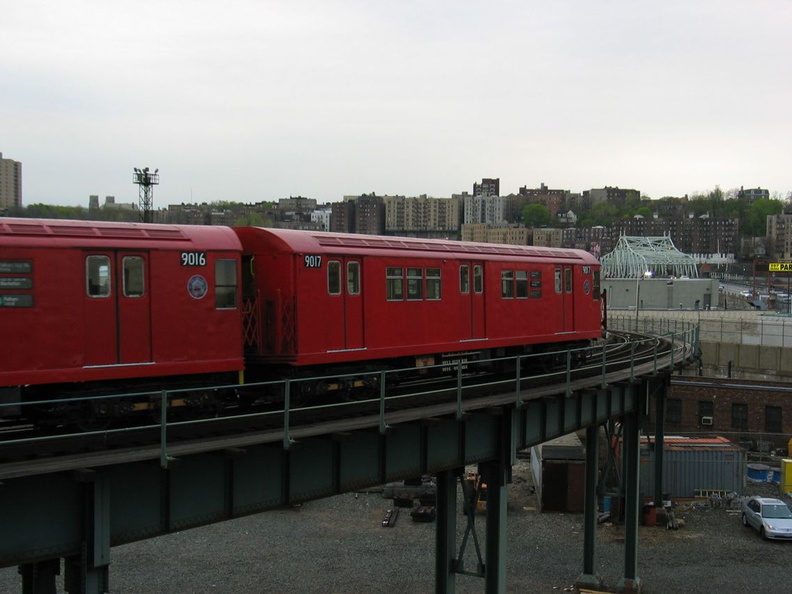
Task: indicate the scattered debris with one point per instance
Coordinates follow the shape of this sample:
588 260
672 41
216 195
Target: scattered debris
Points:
390 518
423 513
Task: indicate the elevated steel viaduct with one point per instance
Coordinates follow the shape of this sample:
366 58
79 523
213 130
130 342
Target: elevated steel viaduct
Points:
77 507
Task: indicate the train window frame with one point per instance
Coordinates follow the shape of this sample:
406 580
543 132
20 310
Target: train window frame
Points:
434 284
478 279
133 277
521 284
226 283
334 277
98 285
507 284
557 276
568 280
394 283
415 278
353 277
464 279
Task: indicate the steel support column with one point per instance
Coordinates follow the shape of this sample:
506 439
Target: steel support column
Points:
445 531
87 573
630 582
496 475
589 579
39 578
660 399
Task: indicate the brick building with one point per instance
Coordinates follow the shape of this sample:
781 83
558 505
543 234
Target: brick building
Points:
743 411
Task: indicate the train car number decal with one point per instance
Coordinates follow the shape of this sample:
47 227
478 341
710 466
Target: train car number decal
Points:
193 258
313 261
197 286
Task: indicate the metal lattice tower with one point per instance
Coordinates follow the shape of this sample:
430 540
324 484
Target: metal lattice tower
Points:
634 257
145 180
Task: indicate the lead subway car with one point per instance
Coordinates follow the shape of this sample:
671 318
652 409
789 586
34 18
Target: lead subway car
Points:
326 299
107 308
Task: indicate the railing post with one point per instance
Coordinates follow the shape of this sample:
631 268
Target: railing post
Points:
632 361
164 430
382 426
569 374
654 355
604 363
518 385
286 412
459 390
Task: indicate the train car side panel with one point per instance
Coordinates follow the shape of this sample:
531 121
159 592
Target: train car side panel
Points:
91 301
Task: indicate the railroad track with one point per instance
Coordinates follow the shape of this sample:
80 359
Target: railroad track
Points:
26 451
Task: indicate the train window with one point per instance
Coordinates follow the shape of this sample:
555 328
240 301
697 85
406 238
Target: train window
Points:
225 284
557 280
353 278
395 284
334 277
97 276
522 284
478 279
133 276
596 285
464 279
433 283
507 284
414 284
568 280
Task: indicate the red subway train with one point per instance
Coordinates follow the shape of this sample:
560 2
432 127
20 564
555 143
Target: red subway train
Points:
96 308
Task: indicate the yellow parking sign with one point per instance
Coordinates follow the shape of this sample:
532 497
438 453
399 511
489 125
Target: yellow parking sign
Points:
780 266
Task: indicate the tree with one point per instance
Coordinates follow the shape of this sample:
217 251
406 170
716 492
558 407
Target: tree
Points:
536 215
755 224
601 214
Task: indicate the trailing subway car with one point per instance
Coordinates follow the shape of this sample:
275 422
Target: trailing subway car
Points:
96 308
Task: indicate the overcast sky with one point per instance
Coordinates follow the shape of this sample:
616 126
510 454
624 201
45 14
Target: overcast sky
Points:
261 100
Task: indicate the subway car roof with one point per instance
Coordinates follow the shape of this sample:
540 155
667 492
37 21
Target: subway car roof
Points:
258 240
71 233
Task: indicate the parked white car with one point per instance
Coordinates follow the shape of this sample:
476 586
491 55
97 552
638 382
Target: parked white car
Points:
772 518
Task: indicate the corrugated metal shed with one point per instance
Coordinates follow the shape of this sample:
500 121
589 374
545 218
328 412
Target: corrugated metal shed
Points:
695 466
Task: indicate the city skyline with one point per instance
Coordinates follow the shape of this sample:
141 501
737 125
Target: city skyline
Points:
259 101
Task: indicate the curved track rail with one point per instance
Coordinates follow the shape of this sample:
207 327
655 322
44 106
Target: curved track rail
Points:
623 357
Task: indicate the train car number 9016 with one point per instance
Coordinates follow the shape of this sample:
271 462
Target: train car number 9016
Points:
193 258
313 261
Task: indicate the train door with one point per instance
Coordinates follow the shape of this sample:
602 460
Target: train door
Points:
117 308
353 304
471 289
344 329
564 285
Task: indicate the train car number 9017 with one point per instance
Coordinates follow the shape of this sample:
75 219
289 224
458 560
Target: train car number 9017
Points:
193 258
313 261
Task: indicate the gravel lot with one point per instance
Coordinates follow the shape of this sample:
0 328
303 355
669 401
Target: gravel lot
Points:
338 545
